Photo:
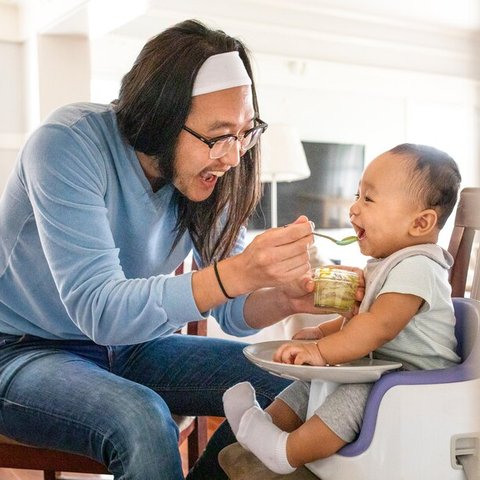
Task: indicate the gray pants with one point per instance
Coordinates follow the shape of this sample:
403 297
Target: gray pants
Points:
342 411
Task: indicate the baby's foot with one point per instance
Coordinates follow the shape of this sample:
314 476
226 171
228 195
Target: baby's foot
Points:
265 440
236 401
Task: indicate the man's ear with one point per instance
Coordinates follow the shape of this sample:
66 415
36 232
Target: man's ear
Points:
424 223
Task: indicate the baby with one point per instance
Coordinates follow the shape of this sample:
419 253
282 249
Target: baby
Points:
404 199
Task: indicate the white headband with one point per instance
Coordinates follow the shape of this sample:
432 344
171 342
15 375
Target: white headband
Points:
218 72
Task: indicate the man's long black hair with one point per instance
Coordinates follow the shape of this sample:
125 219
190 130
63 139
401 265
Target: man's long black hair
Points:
153 104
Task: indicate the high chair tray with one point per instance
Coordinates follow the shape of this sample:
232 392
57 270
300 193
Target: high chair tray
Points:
358 371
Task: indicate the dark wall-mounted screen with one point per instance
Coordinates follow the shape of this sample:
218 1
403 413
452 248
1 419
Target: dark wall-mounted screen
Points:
325 197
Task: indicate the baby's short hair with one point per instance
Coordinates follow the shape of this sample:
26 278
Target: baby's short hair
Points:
435 178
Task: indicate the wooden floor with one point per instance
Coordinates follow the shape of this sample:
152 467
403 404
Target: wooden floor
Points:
10 474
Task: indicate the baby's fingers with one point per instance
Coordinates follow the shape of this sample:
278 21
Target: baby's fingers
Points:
285 354
302 358
293 355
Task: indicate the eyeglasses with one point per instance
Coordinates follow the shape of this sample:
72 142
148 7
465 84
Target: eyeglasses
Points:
220 146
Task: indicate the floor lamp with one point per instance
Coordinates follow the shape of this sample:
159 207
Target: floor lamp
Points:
283 160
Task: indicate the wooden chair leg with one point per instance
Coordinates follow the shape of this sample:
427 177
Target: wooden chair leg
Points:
197 441
49 475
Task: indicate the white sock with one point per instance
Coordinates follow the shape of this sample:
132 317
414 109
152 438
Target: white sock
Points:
265 440
254 428
236 401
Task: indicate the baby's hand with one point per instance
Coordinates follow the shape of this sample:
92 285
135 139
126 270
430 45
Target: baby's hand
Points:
309 333
299 354
359 294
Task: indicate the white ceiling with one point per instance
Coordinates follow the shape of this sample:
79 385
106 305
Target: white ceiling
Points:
143 18
439 36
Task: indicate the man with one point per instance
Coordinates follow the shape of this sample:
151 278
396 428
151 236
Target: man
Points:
107 200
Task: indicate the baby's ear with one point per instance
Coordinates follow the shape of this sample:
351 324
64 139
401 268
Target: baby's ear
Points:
424 223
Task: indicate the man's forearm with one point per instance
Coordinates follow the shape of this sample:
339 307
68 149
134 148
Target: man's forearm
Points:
265 307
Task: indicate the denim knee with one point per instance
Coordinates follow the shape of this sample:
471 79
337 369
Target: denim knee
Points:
142 439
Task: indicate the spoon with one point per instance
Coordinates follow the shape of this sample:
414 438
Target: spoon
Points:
343 241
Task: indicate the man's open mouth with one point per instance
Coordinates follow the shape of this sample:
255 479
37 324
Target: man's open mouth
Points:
212 175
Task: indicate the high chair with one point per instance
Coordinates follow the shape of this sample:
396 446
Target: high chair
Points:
416 424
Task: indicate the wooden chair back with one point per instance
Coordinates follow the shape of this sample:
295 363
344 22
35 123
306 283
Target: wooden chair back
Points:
462 241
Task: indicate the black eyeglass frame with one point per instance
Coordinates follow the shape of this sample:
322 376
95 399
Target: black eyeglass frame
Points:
212 141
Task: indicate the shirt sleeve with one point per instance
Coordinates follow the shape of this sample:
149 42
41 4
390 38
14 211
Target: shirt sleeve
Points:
412 276
230 316
67 185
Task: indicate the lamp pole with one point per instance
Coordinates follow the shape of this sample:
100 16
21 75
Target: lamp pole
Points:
283 160
273 206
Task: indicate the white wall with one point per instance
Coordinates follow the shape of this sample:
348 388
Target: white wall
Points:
12 119
374 106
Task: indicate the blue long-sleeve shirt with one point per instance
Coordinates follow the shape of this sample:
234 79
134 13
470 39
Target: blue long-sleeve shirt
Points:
85 242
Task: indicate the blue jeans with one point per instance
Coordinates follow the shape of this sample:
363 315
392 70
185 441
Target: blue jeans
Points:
114 404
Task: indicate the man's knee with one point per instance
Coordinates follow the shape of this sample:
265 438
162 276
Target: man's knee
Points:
144 415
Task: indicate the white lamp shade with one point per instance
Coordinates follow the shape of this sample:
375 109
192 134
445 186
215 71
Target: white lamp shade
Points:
282 155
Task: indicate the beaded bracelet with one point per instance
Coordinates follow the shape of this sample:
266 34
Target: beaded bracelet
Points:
220 284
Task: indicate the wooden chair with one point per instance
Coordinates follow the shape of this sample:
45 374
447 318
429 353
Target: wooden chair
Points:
20 456
467 223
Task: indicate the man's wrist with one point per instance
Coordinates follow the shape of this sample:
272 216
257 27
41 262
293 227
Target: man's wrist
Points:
232 273
219 281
